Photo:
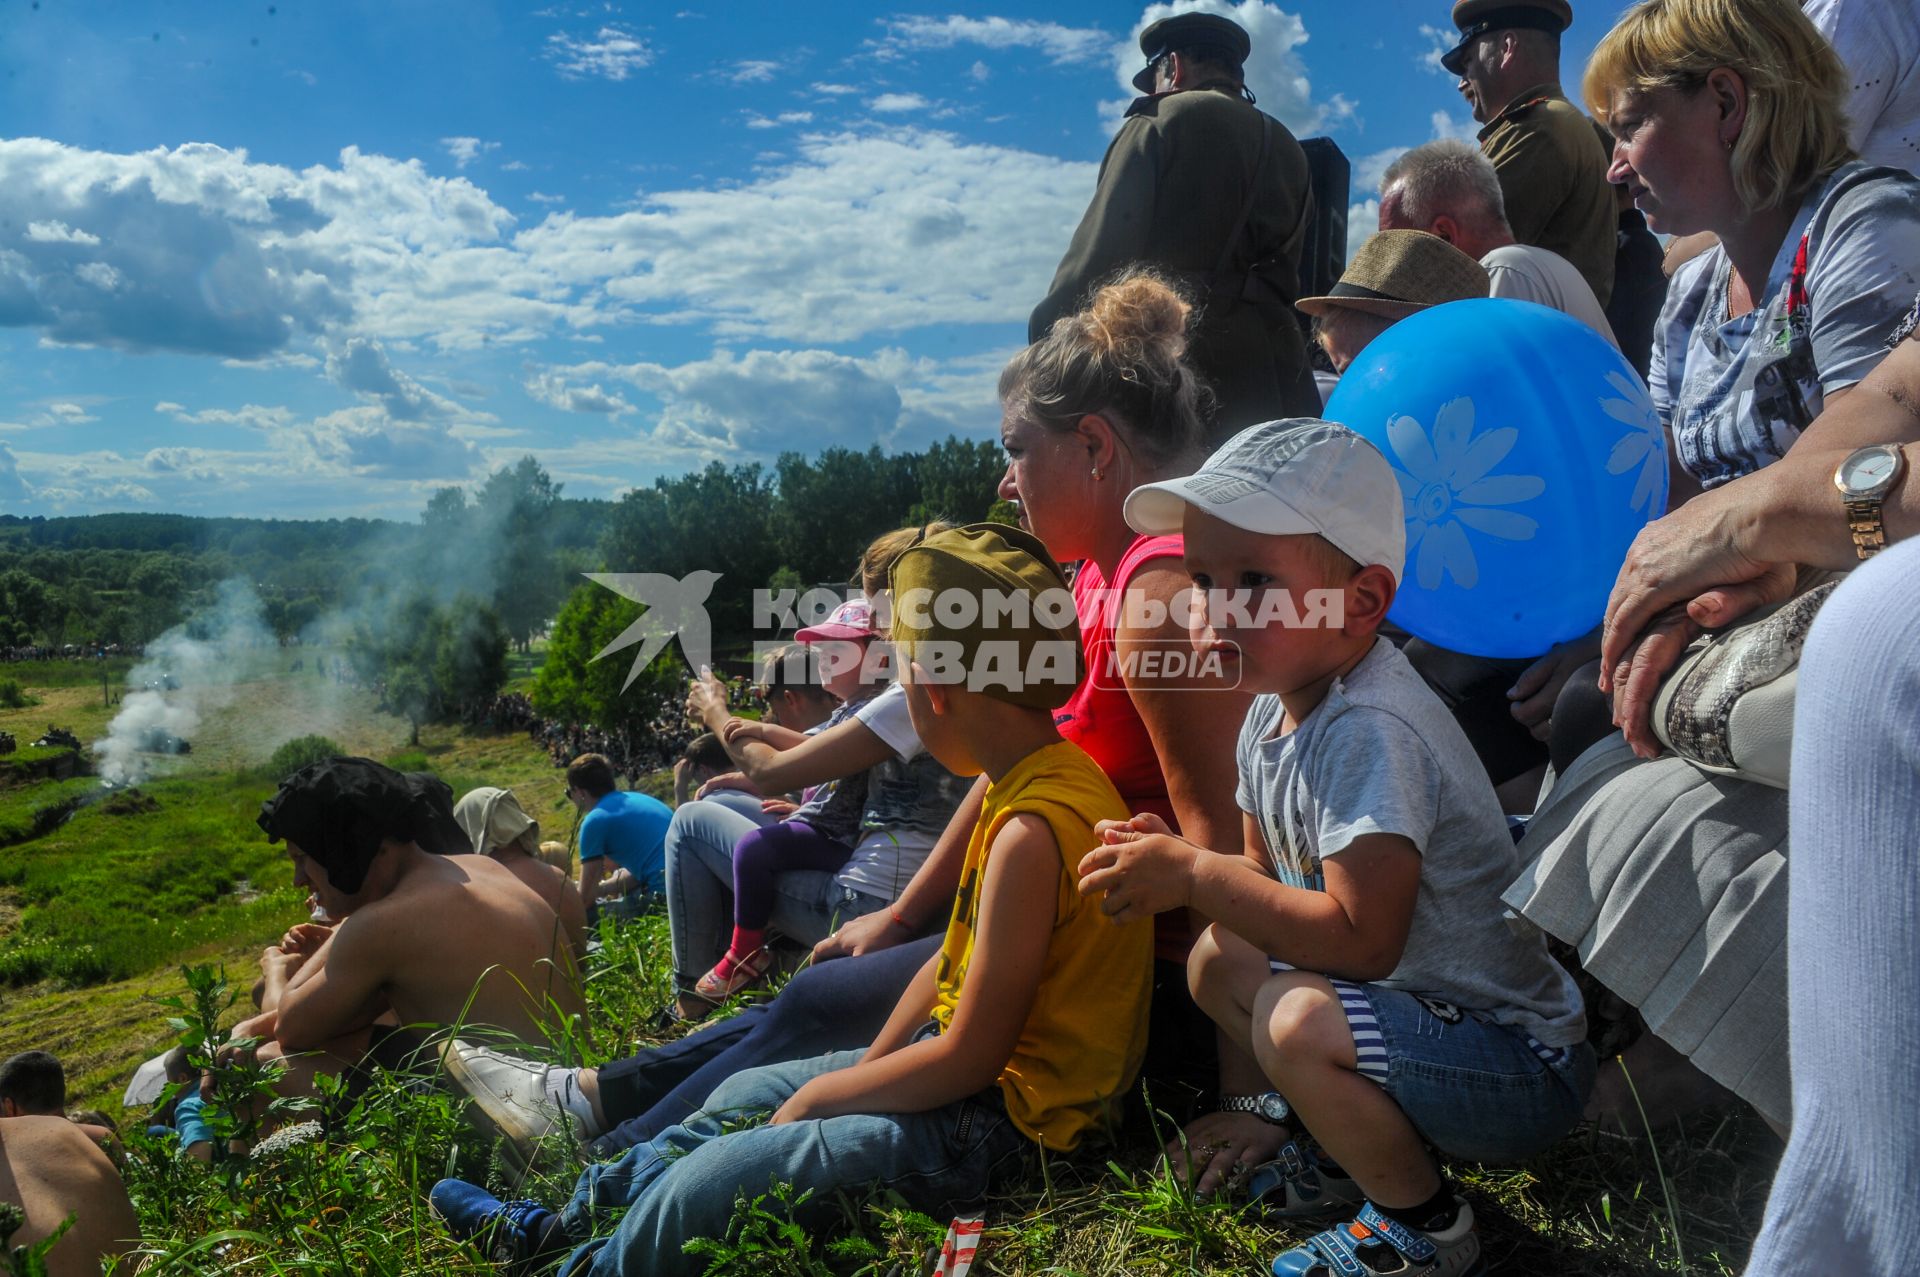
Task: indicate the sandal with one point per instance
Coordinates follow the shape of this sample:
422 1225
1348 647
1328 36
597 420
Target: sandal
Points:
1372 1245
1295 1186
746 973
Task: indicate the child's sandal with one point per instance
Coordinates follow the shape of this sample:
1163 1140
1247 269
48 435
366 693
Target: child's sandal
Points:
1294 1186
747 972
1372 1245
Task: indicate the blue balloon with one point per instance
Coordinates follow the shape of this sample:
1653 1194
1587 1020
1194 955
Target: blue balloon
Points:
1528 453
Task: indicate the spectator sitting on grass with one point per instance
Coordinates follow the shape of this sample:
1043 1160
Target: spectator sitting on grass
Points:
498 827
1359 951
704 758
32 1084
1025 1028
425 941
622 829
51 1171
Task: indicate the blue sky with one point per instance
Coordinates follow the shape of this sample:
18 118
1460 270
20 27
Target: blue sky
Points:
306 259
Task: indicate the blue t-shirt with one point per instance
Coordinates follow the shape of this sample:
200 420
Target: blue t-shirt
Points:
631 830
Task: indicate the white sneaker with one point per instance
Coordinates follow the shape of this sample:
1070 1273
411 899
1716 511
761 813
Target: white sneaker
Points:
511 1093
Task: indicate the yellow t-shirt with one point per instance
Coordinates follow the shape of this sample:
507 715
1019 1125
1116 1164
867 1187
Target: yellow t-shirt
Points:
1084 1038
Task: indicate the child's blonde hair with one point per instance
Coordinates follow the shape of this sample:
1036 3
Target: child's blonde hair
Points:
557 855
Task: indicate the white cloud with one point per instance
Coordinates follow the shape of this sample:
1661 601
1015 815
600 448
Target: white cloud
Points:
250 416
878 232
465 150
836 90
554 390
980 72
1275 71
751 71
514 166
763 402
1363 221
1435 42
58 233
1061 44
755 120
897 102
70 414
366 442
12 486
541 197
362 366
611 53
182 463
205 252
1459 128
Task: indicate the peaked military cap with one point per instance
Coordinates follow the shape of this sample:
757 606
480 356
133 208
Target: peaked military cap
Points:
1477 17
1208 32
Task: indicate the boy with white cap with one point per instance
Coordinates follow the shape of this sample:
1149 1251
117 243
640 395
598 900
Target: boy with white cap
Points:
1359 951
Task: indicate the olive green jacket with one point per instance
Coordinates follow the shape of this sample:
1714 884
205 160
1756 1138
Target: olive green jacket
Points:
1553 175
1171 190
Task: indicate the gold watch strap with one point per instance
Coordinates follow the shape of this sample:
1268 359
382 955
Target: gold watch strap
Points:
1868 527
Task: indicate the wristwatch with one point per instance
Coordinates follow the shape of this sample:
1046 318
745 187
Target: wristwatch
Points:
1268 1106
1865 479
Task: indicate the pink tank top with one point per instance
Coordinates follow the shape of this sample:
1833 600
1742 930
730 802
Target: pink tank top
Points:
1100 718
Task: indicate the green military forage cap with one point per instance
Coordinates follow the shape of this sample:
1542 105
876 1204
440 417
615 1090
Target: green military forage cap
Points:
1222 37
988 583
1477 17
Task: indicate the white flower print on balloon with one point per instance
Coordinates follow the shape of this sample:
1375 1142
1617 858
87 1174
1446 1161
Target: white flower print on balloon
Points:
1645 445
1450 490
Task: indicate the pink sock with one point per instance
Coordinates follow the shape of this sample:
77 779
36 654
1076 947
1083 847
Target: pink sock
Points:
745 942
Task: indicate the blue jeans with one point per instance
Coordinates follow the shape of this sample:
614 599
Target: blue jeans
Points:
682 1184
1480 1091
833 1006
807 903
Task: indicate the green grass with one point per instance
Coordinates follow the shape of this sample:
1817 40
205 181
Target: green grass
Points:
64 673
110 900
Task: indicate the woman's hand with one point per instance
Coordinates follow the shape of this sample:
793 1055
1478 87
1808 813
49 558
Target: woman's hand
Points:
1215 1147
780 808
1539 685
727 780
868 933
1140 867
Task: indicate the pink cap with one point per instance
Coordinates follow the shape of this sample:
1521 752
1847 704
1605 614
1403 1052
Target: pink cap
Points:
851 620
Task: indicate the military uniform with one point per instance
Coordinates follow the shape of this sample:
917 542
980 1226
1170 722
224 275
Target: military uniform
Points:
1553 177
1170 194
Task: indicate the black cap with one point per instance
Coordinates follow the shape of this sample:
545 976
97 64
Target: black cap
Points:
339 811
1475 18
1208 33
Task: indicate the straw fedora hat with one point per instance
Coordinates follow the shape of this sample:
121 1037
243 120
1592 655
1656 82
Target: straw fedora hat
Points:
1399 272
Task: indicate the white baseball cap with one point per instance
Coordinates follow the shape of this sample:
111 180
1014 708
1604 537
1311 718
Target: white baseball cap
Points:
1299 475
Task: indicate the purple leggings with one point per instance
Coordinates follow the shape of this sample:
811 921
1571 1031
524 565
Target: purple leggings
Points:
776 849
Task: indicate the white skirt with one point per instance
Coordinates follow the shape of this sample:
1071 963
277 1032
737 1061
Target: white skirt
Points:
1672 885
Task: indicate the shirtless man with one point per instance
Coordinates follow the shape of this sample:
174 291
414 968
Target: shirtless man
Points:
50 1169
426 941
498 827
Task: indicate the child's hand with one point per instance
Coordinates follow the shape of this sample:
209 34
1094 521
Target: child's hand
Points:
1140 874
1217 1148
779 807
738 729
801 1106
1141 823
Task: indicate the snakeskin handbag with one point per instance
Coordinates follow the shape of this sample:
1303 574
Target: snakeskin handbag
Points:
1727 707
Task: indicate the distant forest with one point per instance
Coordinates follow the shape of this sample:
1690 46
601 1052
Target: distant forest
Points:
509 551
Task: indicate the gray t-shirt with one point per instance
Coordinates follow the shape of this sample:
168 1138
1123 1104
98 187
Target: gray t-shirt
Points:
1381 755
909 799
1736 393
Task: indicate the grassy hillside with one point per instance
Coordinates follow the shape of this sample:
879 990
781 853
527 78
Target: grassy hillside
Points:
97 913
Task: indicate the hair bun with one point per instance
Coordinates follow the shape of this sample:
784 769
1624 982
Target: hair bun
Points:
1139 319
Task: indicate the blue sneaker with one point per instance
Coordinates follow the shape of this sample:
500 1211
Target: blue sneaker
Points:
510 1234
1294 1185
1375 1245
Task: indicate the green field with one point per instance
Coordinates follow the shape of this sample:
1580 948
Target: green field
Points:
97 913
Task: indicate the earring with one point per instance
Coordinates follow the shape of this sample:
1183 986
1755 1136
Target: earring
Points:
1731 141
1096 474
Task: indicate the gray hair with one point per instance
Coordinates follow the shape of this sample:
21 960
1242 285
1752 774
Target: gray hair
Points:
1447 178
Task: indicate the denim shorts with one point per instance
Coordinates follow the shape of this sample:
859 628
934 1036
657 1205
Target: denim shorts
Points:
1477 1091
